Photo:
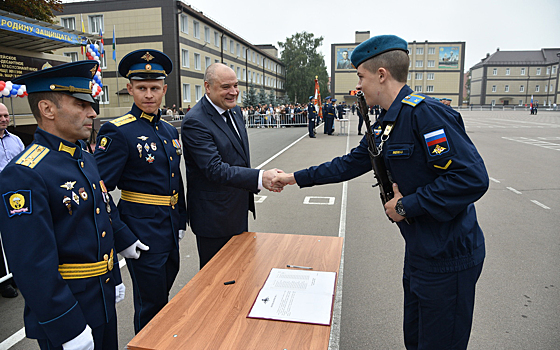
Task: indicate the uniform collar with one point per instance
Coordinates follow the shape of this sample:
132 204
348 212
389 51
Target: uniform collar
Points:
140 114
55 143
393 112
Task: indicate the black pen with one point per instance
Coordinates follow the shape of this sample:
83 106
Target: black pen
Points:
300 267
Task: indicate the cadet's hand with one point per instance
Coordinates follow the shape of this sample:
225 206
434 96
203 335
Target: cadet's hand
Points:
119 293
181 234
267 178
390 205
84 341
133 252
284 179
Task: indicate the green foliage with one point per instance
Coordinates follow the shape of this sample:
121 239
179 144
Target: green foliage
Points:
303 63
272 98
37 9
251 98
262 97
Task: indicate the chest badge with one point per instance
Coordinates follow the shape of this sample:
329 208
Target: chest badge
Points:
150 159
139 147
147 147
177 146
153 146
69 185
83 194
143 138
68 203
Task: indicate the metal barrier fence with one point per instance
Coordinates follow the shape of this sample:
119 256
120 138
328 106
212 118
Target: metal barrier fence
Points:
275 120
503 108
5 262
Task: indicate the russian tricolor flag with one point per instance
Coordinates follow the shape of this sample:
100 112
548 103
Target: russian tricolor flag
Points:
435 137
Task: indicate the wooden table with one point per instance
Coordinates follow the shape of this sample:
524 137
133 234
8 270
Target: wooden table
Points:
206 314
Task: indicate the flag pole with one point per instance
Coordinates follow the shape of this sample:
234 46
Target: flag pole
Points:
116 68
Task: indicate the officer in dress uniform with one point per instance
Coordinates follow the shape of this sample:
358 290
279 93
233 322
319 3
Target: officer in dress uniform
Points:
56 222
140 153
330 114
311 116
440 175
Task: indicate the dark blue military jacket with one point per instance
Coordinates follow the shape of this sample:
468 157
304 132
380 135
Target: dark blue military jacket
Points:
311 112
439 173
55 212
329 111
140 153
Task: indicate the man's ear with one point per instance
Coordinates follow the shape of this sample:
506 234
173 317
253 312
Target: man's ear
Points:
129 88
164 89
47 109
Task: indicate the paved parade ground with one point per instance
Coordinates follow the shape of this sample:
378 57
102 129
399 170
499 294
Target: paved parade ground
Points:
518 295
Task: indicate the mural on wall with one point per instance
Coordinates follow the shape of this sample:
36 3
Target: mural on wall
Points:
449 57
343 58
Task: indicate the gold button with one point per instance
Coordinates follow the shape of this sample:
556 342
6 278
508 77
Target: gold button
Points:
94 186
106 257
172 174
170 158
173 191
97 210
103 234
107 280
172 207
165 141
157 128
82 164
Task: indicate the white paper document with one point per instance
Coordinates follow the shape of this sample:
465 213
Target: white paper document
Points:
296 296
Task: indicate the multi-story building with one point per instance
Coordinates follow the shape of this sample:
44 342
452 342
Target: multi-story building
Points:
436 69
191 39
514 77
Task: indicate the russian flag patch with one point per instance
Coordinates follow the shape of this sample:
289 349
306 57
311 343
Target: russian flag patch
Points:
436 141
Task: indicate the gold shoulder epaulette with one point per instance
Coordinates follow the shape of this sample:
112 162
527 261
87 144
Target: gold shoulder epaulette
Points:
125 119
413 99
33 156
167 122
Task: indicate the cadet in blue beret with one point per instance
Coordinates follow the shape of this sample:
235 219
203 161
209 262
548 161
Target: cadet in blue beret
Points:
140 154
56 221
439 174
329 113
311 116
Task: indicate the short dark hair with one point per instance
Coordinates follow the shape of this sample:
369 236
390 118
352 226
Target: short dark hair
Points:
35 97
395 61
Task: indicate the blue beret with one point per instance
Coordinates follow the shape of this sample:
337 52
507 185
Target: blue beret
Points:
74 79
334 100
327 98
375 46
145 64
310 98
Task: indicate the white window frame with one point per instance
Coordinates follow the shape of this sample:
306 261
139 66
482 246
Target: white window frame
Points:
186 92
73 56
429 88
207 34
418 88
431 63
103 63
494 88
547 70
408 76
418 76
95 22
495 71
430 76
231 47
198 92
104 98
207 62
553 69
239 73
197 61
244 73
506 88
184 23
69 23
493 103
522 88
538 71
507 71
216 39
238 49
537 88
431 50
522 71
419 63
185 61
244 51
224 42
419 50
196 29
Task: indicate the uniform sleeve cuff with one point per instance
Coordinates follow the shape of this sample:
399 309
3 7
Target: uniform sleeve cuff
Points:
412 206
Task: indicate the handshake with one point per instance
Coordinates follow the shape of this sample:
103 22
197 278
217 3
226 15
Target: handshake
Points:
275 179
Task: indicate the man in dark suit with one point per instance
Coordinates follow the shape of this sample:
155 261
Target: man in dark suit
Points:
220 181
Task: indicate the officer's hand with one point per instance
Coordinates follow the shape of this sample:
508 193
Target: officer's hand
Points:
181 234
133 252
119 293
84 341
390 205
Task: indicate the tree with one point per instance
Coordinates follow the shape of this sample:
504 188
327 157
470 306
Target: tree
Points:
272 98
303 62
251 98
262 97
37 9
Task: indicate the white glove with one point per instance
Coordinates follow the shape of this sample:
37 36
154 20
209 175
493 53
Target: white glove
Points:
84 341
181 234
119 293
133 252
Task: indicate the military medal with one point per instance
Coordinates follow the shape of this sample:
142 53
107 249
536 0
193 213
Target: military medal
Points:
150 159
143 138
139 146
177 146
105 196
68 203
154 146
147 147
69 185
83 193
76 198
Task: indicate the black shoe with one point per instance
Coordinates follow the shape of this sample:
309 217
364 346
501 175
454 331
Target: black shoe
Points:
313 137
9 292
360 133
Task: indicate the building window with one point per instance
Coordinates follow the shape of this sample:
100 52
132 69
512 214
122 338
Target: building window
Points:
238 49
73 56
418 88
547 70
494 89
196 28
520 102
493 103
253 54
418 76
506 88
68 23
430 88
95 24
546 88
522 71
419 50
207 62
522 88
430 76
551 87
185 58
507 71
244 52
431 63
197 61
198 92
554 70
431 50
216 60
184 24
244 73
207 34
408 77
186 92
537 88
104 98
103 63
495 71
231 48
538 71
216 39
419 64
238 73
224 43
